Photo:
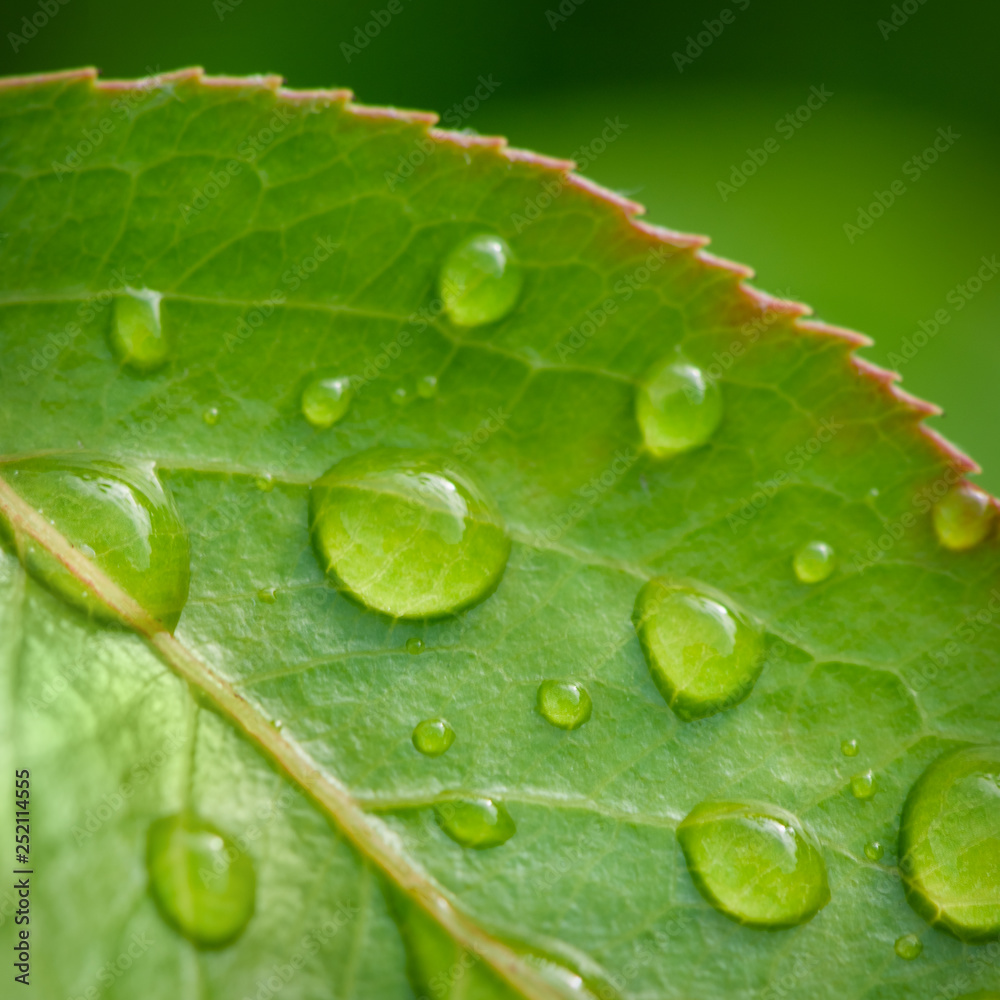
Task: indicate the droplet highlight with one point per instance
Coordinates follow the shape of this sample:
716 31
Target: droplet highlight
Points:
433 737
814 562
325 400
909 947
703 655
678 407
754 863
475 823
564 704
480 281
949 843
203 883
410 534
964 517
136 330
863 785
120 516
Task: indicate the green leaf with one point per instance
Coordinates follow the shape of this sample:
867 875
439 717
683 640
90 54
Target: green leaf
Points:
289 236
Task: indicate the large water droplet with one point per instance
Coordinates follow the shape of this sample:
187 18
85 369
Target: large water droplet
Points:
703 655
480 281
814 562
203 884
408 533
433 737
325 400
565 704
874 850
119 516
949 843
136 331
909 947
863 785
754 863
475 823
678 407
849 748
964 517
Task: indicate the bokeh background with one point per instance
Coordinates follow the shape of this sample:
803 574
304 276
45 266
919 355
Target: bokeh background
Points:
896 73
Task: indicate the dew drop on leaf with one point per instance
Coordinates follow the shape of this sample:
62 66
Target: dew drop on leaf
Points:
136 330
267 595
874 850
909 946
475 823
433 737
949 843
326 400
565 704
427 387
408 533
264 483
480 281
849 748
211 416
399 396
678 407
203 884
704 655
120 516
863 785
414 645
754 863
814 562
964 517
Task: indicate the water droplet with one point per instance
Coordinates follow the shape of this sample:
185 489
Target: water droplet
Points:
414 645
964 517
863 785
399 396
325 400
120 516
408 533
203 884
703 655
754 863
849 748
136 331
814 562
565 704
480 281
475 823
278 724
264 483
949 843
909 946
211 416
427 387
433 737
874 850
678 407
267 595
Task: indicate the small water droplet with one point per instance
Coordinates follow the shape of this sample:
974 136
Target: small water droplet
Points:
433 737
704 656
120 517
267 595
874 850
211 416
414 645
863 785
203 883
399 396
754 863
565 704
480 281
136 330
849 748
909 946
678 407
475 823
949 843
427 387
964 517
278 724
408 533
264 483
325 400
814 562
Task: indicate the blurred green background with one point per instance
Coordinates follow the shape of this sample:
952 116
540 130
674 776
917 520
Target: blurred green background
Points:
896 73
